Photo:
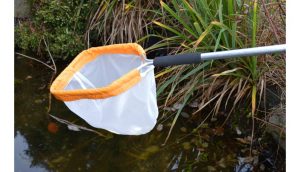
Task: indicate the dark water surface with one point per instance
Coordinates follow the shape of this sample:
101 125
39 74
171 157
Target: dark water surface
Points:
43 144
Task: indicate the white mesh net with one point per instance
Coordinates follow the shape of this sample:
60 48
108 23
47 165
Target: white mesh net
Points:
132 112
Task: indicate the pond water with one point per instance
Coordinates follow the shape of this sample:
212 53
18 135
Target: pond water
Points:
44 144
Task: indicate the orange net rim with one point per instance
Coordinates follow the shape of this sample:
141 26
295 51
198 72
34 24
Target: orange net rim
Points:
115 88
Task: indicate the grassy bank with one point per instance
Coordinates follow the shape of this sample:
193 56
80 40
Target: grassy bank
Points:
222 85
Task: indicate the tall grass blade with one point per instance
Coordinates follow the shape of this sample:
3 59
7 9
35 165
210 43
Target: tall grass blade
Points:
254 30
170 29
203 35
186 98
186 27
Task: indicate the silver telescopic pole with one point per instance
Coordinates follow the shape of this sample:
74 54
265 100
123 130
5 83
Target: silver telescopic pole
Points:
244 52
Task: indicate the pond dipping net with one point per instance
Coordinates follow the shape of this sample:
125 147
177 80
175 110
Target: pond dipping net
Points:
110 87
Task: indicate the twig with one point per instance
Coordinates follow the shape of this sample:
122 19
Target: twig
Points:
278 146
253 110
50 96
78 126
52 77
270 21
269 123
55 69
280 7
252 134
282 12
32 58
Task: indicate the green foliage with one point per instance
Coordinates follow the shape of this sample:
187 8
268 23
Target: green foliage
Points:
26 38
64 43
61 23
71 26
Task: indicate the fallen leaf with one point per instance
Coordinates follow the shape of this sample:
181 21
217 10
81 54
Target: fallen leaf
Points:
204 125
219 131
169 109
73 128
52 127
211 168
204 144
221 163
183 129
238 131
147 153
186 145
243 140
38 101
193 104
152 149
18 81
185 115
28 77
255 152
213 119
42 87
262 167
205 136
159 127
247 159
177 106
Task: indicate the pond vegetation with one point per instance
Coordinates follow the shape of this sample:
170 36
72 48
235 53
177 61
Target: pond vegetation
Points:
214 116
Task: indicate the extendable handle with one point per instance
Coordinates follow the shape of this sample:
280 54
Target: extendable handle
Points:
244 52
179 59
193 58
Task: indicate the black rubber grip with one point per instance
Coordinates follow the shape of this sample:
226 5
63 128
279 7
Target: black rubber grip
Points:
179 59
